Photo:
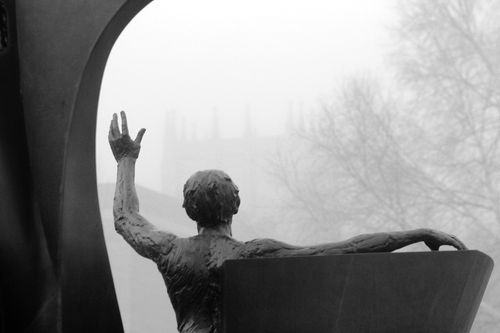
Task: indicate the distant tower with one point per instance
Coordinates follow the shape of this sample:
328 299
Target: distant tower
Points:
301 121
183 134
248 130
193 135
170 127
215 124
289 127
169 158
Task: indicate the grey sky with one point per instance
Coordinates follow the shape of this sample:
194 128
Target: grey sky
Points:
194 56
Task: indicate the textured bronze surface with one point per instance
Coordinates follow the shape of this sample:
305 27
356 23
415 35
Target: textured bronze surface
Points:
192 267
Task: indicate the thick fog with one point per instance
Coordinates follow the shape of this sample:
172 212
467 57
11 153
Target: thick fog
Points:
194 57
292 99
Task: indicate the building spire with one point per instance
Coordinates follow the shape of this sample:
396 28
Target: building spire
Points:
248 126
183 131
289 126
194 131
169 168
215 124
170 127
301 121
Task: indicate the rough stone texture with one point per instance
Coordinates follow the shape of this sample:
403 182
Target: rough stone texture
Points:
398 292
27 281
4 27
55 270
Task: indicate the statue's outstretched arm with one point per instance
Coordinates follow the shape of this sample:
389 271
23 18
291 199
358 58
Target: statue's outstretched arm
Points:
137 231
377 242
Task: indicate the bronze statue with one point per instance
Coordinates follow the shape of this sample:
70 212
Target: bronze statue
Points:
191 267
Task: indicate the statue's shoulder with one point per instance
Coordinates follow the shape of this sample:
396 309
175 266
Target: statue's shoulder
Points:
169 242
173 248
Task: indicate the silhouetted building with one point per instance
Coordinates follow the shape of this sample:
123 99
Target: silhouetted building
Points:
247 159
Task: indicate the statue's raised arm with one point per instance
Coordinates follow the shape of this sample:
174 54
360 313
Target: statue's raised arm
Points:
192 267
143 236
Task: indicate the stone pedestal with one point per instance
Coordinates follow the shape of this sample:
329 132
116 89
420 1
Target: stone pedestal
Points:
396 292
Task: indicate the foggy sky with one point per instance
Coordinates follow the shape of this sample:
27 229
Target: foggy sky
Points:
264 56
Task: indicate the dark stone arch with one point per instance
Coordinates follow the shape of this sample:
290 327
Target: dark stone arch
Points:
4 26
27 281
63 49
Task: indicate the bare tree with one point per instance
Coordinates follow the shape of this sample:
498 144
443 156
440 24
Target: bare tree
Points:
424 154
448 58
352 169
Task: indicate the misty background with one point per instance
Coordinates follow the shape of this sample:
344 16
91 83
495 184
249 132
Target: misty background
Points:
334 118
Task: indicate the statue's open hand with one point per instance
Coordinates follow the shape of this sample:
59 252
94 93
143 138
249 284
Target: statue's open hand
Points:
121 143
434 239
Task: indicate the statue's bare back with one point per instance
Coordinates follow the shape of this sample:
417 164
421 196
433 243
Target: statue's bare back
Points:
192 270
192 267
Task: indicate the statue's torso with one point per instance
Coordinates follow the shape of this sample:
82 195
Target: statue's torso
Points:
192 270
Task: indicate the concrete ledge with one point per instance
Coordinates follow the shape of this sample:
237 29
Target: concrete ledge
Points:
388 292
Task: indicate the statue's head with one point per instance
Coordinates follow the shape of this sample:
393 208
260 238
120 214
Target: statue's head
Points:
211 198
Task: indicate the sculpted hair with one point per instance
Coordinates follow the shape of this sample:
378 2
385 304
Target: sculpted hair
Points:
211 198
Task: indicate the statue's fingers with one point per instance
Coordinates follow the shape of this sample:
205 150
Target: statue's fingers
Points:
110 133
114 126
458 244
124 123
139 136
